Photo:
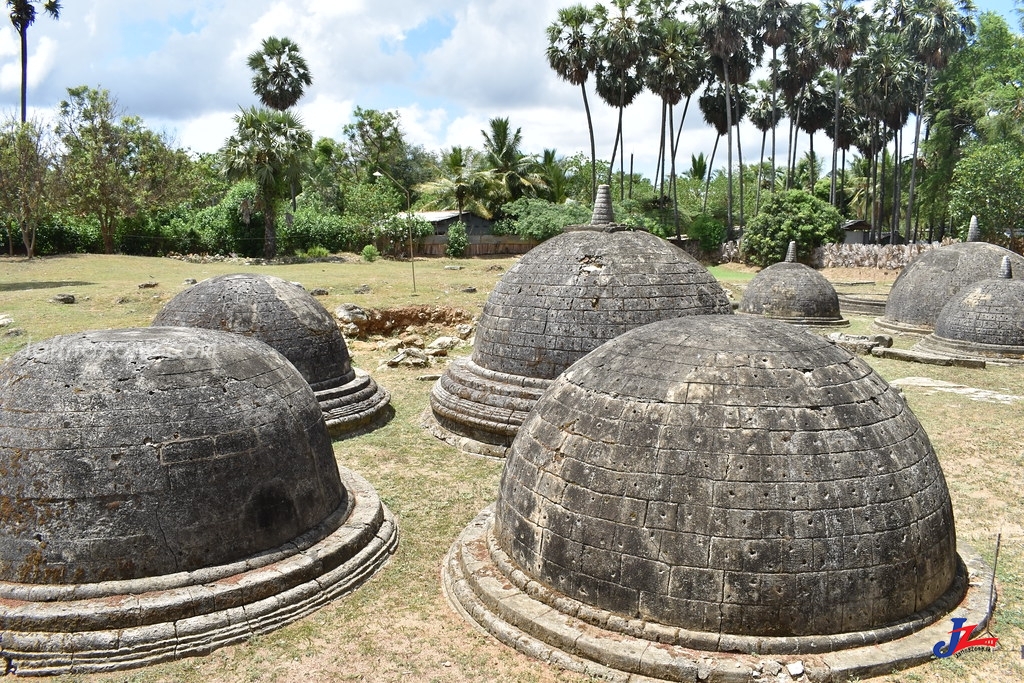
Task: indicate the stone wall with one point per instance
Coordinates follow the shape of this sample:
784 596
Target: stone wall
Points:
881 256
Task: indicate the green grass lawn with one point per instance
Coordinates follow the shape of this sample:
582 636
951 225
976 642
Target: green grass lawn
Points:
398 626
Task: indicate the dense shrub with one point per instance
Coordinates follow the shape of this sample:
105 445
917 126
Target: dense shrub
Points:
370 253
539 219
392 234
64 235
708 231
989 182
794 215
458 241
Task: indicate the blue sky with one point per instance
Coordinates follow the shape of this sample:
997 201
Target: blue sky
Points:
446 66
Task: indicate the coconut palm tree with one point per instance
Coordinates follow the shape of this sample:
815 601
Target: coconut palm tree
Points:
457 181
23 15
843 35
280 74
513 172
267 147
572 55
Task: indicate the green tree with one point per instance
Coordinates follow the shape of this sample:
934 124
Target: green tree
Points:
779 22
280 73
458 182
113 167
572 55
793 215
512 170
989 182
267 147
23 15
26 178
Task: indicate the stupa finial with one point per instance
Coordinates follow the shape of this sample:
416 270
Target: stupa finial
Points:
973 232
791 252
603 213
1006 270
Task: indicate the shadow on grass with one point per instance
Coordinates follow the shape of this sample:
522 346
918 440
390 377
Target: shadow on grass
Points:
18 286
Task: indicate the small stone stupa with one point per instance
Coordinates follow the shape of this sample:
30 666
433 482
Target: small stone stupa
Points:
560 301
674 500
285 316
985 320
932 279
167 491
794 293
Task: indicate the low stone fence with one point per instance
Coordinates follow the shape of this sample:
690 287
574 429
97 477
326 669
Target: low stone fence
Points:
881 256
479 245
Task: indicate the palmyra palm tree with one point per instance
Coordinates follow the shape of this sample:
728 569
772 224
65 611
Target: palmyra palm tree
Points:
267 147
23 15
779 22
280 74
572 55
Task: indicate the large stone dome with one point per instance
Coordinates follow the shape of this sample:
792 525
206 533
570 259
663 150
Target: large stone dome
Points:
985 320
285 316
792 292
157 481
769 494
563 299
936 276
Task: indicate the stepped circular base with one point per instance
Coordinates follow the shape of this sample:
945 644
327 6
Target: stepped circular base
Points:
478 410
359 404
489 591
807 322
75 628
952 348
890 325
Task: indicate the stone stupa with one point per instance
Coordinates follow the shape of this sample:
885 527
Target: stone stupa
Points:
932 279
709 497
285 316
985 321
165 492
794 293
560 301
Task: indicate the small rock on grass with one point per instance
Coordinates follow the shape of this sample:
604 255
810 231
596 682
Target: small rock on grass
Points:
6 320
63 299
319 291
362 289
148 285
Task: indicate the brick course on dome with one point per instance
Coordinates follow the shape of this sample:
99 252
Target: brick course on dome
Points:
794 293
985 320
769 495
563 299
167 491
285 316
932 279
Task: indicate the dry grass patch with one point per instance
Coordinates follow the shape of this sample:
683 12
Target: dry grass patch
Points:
398 626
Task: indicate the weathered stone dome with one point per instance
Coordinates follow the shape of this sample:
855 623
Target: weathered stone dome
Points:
985 320
174 485
792 292
560 301
717 483
285 316
936 276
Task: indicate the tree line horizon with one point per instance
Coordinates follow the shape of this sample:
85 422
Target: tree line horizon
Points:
100 180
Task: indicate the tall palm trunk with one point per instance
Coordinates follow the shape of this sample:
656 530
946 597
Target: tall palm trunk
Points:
593 147
711 165
672 174
917 138
760 168
835 140
728 133
23 34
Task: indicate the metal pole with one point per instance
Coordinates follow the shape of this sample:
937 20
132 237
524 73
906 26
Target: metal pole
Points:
408 218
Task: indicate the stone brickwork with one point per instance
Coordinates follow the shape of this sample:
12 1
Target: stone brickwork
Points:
770 486
794 293
718 483
933 279
166 491
985 320
286 317
562 300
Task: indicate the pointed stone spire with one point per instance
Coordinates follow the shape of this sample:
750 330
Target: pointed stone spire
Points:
1006 270
791 253
973 233
603 214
